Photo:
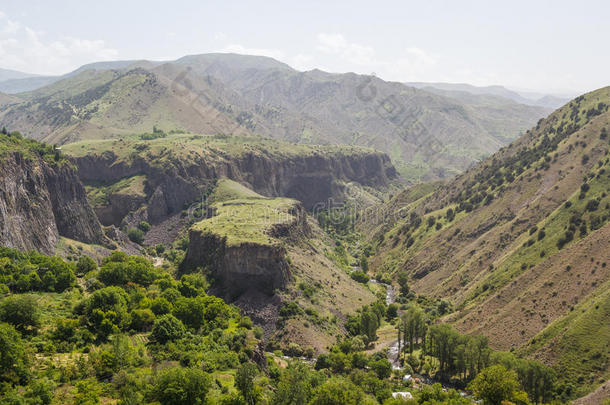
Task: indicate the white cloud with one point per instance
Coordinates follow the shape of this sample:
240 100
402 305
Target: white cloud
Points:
414 64
302 62
352 52
331 43
10 27
25 49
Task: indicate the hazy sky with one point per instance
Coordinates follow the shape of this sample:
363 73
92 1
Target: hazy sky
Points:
559 46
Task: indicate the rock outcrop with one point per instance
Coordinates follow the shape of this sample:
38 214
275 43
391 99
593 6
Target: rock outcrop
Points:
238 268
310 178
40 201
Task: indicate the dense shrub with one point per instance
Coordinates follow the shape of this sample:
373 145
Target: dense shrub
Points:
181 386
167 328
84 265
22 311
23 272
130 270
359 276
14 362
135 235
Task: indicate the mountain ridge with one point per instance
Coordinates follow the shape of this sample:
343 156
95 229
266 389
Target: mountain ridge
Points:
428 136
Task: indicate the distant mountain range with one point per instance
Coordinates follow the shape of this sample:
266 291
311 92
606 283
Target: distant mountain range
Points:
461 90
427 134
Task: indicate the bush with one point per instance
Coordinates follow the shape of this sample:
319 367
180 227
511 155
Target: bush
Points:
144 226
142 319
161 306
167 328
289 309
592 205
359 276
84 265
21 311
132 269
450 215
14 363
181 386
136 235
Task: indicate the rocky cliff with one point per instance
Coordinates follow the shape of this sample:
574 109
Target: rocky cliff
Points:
251 253
237 269
174 181
41 201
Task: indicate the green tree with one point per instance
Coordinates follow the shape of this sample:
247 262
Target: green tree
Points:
181 386
84 265
190 311
496 384
381 367
135 235
294 387
403 282
160 306
167 328
106 311
21 311
444 340
244 381
338 391
87 392
14 361
413 326
369 323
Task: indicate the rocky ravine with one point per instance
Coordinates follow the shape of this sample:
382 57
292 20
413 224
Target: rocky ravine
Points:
39 202
311 179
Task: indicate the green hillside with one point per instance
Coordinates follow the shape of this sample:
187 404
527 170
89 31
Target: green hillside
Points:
527 234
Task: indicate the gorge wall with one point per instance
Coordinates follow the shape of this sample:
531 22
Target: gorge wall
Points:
237 268
312 178
41 201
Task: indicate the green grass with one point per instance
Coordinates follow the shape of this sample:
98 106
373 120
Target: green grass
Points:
580 341
29 149
189 146
230 190
554 226
248 220
98 193
68 247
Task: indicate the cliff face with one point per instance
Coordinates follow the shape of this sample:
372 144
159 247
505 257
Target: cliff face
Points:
311 179
240 267
40 202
